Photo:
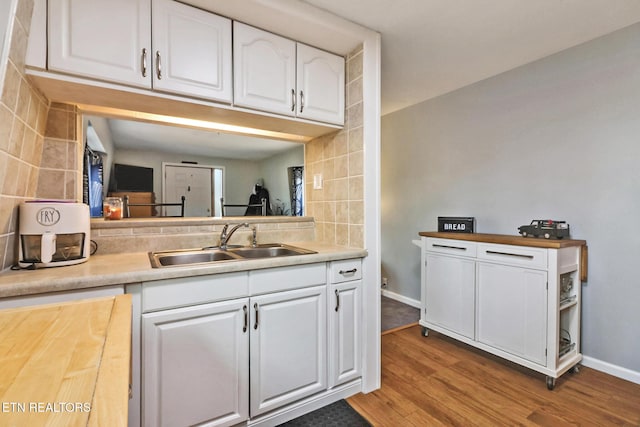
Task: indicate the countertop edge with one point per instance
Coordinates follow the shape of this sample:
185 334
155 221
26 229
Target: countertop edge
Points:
130 268
506 239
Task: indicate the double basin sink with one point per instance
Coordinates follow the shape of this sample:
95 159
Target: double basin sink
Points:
213 255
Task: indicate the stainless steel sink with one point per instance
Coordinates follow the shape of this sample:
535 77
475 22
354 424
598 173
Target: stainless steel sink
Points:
269 251
207 256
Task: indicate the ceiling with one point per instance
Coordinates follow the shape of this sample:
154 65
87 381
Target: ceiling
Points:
431 47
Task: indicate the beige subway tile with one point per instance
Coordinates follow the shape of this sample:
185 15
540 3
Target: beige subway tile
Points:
71 179
11 251
354 116
11 87
356 188
49 184
37 150
328 168
13 225
329 233
356 163
18 49
356 236
341 144
24 12
33 182
24 98
342 234
3 251
72 125
23 179
4 158
72 155
356 212
328 147
356 140
54 154
11 176
354 67
341 167
354 92
357 50
330 211
57 124
342 212
17 137
6 125
43 115
34 107
342 189
6 212
330 190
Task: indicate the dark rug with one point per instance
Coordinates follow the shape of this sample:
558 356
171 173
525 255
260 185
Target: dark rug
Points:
338 414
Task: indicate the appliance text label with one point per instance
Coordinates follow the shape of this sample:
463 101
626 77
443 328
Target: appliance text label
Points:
48 216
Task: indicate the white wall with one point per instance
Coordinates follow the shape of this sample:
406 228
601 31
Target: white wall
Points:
7 12
558 138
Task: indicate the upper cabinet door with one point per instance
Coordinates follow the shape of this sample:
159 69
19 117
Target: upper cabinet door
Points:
102 39
320 85
191 51
264 70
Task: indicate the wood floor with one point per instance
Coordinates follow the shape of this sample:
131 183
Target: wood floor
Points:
435 381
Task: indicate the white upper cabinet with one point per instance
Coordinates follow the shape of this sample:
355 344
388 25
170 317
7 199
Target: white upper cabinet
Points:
320 85
178 49
191 51
278 75
106 40
264 70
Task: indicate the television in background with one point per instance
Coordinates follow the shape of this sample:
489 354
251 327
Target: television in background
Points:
131 178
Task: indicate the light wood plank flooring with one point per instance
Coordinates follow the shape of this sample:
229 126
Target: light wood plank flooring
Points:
435 380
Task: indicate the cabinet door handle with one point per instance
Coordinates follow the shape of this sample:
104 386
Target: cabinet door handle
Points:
246 318
301 101
510 254
293 100
337 300
144 62
158 65
255 307
449 247
345 272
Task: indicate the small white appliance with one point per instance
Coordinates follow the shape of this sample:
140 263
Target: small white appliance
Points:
53 233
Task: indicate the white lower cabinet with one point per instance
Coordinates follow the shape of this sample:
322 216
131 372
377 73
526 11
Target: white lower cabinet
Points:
223 349
512 310
514 297
288 347
450 293
345 324
195 368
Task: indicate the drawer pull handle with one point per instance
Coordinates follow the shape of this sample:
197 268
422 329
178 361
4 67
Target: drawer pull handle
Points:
144 62
345 272
509 254
255 307
158 65
449 247
337 300
246 318
293 100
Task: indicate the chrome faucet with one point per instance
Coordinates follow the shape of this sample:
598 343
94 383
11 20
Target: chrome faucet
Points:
225 236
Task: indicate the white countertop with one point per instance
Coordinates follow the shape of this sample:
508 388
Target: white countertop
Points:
119 269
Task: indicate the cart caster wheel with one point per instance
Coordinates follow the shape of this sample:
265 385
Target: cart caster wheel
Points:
425 331
551 383
575 369
547 235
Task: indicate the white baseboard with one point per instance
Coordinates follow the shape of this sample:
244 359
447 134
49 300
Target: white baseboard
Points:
401 298
611 369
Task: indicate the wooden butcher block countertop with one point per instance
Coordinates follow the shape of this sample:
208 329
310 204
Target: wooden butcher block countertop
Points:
66 364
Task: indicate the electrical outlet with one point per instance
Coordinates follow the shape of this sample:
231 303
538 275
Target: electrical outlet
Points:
317 181
385 282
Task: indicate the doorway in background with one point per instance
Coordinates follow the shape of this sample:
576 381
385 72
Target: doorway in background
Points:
201 185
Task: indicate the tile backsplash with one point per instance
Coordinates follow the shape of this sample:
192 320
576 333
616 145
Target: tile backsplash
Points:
338 207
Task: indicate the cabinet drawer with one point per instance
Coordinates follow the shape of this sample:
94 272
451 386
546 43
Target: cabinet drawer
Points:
513 255
451 247
163 294
285 278
346 270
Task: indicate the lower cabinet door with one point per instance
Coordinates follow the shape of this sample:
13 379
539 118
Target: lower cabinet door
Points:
450 293
344 332
512 310
194 369
288 347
